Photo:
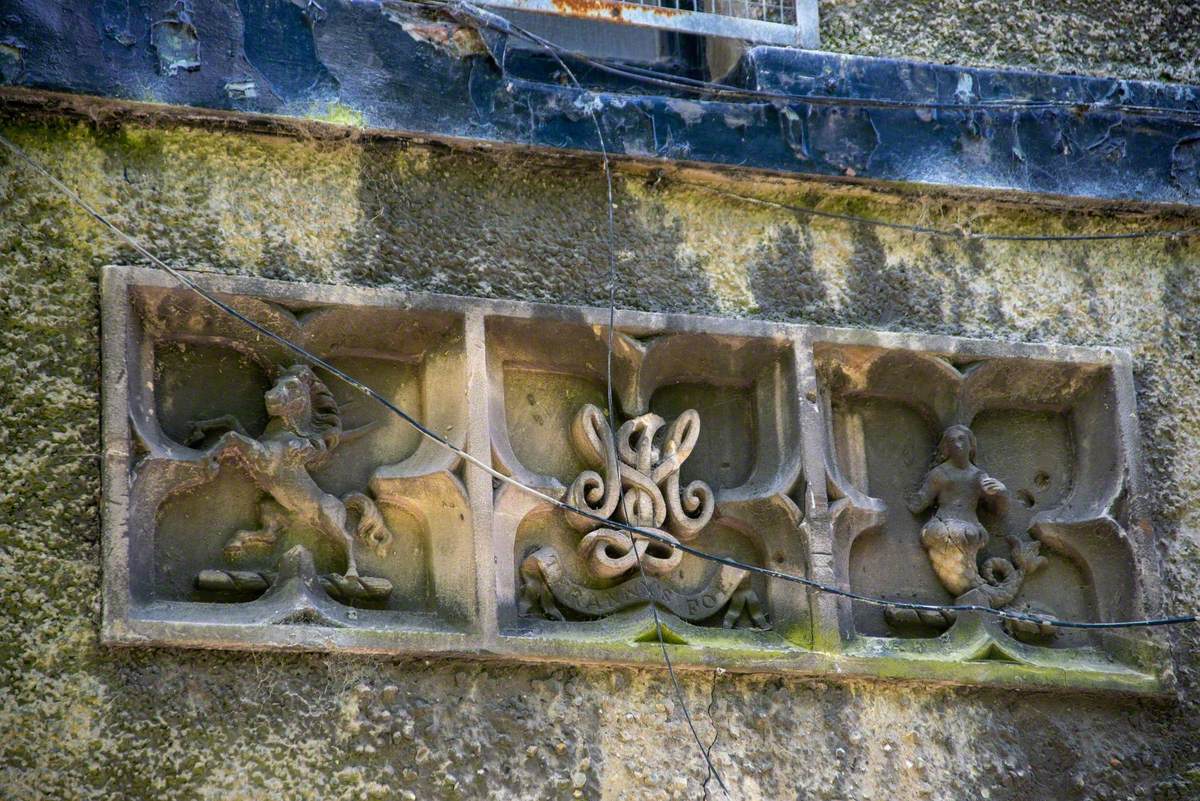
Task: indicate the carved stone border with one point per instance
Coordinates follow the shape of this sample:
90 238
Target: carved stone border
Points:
830 650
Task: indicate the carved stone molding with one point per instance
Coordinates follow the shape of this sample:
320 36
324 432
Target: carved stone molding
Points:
988 474
255 502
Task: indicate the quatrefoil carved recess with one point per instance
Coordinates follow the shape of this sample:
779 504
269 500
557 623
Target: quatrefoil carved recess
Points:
270 490
705 451
1050 535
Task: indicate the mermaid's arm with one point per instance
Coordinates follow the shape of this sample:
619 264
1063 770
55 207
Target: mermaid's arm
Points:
995 494
920 500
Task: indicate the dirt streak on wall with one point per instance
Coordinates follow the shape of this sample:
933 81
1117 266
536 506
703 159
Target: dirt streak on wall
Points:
81 721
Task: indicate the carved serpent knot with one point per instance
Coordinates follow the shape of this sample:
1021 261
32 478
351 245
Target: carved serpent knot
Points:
634 478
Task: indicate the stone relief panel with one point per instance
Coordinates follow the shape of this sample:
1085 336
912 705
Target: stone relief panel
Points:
263 493
252 501
963 474
705 450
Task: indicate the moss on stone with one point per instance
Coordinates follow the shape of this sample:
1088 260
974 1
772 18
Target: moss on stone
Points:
82 721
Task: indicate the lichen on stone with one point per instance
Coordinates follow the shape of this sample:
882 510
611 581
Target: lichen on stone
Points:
84 721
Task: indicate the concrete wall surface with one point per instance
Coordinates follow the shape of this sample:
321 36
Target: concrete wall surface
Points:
83 721
1146 39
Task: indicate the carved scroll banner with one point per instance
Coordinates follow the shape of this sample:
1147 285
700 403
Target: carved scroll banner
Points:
544 571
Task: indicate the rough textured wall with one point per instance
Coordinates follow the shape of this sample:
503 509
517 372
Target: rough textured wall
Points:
82 721
1145 39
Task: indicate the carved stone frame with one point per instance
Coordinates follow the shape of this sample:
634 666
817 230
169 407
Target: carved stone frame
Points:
793 485
980 378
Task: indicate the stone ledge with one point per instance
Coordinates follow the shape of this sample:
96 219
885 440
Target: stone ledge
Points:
355 64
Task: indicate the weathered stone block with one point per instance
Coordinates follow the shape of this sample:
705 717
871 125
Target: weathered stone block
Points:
986 473
249 494
253 501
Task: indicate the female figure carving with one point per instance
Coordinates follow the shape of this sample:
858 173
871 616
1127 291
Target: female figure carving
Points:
954 536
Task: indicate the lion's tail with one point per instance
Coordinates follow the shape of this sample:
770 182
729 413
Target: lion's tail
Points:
371 527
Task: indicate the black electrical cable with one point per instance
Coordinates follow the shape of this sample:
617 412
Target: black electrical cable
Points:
502 25
677 82
662 646
667 80
630 530
557 502
612 416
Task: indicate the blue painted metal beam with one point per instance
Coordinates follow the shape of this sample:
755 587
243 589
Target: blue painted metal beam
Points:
421 76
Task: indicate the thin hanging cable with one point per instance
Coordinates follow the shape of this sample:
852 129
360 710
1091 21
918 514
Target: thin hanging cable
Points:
630 530
667 80
662 646
502 25
557 502
612 415
944 233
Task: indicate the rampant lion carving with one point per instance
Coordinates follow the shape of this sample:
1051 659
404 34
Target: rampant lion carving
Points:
305 427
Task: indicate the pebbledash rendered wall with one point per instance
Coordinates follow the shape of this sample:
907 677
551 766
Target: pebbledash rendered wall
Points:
84 720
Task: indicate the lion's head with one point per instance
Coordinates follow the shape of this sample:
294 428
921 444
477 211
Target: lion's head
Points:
304 405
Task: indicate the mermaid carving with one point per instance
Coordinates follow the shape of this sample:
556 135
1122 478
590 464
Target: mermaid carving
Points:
954 536
305 426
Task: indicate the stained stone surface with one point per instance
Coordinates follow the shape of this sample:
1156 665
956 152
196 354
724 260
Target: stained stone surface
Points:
86 721
1131 38
326 528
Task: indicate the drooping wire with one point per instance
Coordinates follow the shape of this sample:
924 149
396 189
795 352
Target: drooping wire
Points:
943 233
612 414
499 24
558 503
666 80
662 646
632 530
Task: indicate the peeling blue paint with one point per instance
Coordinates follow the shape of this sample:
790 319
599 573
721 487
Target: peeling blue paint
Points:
279 43
241 90
117 20
430 77
1185 164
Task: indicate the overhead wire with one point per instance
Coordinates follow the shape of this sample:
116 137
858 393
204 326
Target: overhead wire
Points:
612 416
942 233
676 82
499 24
630 530
667 80
559 503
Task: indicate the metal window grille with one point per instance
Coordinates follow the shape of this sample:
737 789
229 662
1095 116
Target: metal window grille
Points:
779 22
